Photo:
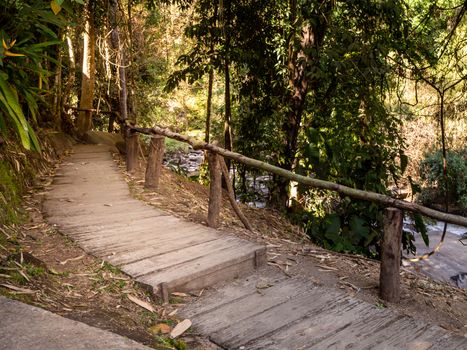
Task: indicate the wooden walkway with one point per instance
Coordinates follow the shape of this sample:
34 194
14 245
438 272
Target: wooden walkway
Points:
90 202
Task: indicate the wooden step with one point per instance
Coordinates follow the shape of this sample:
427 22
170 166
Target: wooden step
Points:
91 202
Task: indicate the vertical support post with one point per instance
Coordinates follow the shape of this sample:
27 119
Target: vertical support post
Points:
215 189
164 292
154 166
131 140
389 279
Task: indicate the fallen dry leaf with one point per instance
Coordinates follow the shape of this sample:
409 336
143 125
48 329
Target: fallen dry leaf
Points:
72 259
18 289
142 303
180 328
173 312
160 328
326 267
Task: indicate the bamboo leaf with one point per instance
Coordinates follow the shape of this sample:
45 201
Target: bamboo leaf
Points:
35 142
40 46
32 104
23 134
9 99
56 8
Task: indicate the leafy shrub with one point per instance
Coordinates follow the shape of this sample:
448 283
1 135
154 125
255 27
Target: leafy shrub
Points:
431 171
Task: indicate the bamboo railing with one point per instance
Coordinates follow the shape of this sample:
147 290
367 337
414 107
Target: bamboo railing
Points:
393 215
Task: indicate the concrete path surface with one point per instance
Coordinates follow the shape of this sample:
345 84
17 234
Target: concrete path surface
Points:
90 202
26 327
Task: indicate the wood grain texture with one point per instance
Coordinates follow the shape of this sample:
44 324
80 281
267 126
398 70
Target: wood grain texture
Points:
90 202
389 279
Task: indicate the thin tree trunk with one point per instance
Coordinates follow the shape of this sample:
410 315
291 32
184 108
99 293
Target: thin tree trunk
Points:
211 75
131 140
227 102
66 122
88 74
209 106
311 39
115 42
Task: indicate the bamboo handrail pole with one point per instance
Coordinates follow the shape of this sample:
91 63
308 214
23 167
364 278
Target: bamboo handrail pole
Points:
312 182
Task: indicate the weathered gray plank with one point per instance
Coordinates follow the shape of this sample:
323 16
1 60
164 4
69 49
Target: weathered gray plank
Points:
179 276
90 201
180 256
295 314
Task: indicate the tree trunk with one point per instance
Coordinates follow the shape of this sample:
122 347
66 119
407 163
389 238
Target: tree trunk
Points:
299 60
131 140
66 122
115 42
227 102
209 106
211 75
88 73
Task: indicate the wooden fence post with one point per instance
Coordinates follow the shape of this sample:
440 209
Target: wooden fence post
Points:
155 159
389 279
215 189
131 141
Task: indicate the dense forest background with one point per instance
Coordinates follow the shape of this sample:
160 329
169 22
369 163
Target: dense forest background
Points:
369 94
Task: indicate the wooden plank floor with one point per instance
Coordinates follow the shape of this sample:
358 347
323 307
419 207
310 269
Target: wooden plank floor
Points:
270 311
90 201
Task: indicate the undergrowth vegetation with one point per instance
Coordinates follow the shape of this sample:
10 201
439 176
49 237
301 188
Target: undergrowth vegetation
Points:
431 172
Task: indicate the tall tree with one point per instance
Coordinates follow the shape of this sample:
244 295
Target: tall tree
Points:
226 9
211 72
88 71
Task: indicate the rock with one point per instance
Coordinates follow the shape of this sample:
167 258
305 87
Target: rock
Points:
460 280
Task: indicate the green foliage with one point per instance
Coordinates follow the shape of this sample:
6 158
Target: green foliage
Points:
28 35
10 194
347 132
350 136
431 171
164 343
352 227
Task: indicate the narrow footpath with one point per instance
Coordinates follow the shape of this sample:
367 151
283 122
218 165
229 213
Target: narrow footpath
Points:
255 307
